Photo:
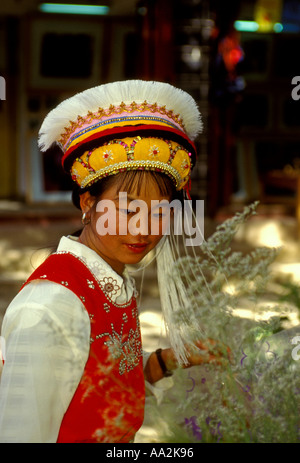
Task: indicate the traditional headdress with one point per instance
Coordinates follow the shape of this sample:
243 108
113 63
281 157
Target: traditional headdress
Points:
131 125
126 125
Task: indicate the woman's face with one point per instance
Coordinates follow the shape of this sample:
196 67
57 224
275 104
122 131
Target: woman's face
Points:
124 228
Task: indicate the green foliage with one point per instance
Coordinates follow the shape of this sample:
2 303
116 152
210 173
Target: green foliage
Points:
292 293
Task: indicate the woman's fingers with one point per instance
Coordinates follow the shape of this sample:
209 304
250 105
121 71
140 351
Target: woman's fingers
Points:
208 351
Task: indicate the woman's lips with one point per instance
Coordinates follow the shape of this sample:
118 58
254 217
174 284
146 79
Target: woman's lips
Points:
137 247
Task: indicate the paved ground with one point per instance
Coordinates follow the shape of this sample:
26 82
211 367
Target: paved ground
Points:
27 234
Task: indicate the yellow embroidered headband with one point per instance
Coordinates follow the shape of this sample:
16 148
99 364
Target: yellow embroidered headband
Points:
129 125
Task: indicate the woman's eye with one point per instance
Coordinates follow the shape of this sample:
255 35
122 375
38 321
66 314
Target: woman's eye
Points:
159 215
126 211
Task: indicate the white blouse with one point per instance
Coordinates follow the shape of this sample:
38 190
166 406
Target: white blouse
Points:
46 330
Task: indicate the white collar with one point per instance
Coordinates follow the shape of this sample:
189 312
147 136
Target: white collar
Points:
119 289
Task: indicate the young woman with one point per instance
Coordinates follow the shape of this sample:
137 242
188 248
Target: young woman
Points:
75 370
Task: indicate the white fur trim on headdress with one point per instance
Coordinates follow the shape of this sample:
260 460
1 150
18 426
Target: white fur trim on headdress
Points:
115 93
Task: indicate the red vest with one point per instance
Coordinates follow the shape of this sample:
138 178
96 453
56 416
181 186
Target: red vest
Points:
108 405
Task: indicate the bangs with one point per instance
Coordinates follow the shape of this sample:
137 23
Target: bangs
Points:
136 181
133 181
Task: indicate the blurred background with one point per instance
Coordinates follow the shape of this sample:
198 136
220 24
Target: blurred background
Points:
236 58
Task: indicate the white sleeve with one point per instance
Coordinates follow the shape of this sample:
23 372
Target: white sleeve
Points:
159 388
46 331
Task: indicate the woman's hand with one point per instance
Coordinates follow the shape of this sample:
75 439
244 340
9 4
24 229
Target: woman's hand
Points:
202 352
207 351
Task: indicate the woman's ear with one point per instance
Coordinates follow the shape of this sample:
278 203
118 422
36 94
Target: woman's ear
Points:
86 202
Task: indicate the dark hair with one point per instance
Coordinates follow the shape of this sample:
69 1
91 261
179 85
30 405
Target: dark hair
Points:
128 181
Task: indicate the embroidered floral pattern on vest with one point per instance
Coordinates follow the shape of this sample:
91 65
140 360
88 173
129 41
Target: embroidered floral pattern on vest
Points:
129 351
109 286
